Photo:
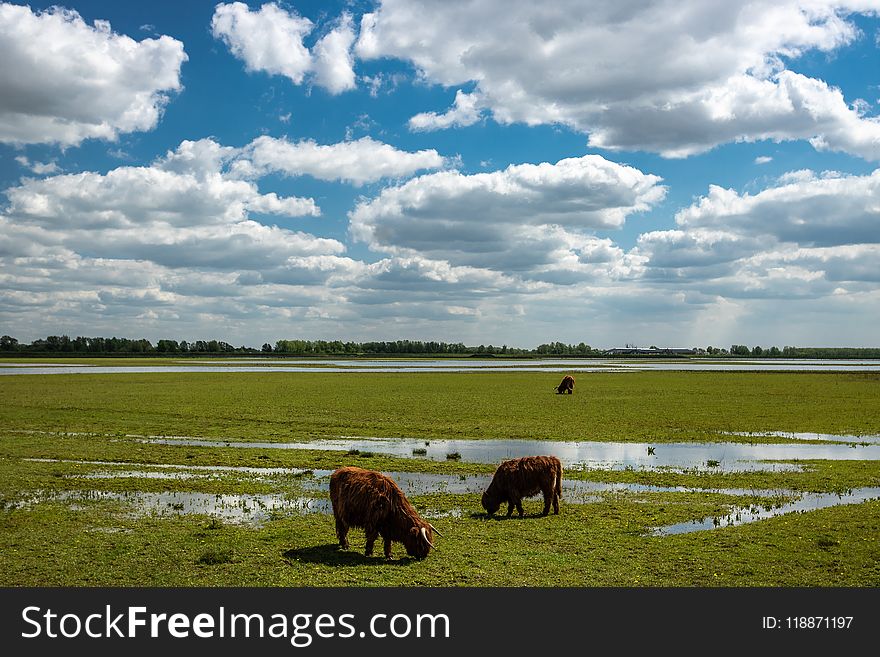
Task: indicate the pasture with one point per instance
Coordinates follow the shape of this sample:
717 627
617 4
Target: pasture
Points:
77 478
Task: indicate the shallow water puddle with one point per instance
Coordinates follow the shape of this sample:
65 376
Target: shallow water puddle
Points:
752 513
139 474
295 472
255 509
412 483
795 435
237 509
714 457
449 365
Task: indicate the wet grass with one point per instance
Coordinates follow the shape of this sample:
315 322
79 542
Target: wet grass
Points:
633 406
601 543
128 450
818 477
213 556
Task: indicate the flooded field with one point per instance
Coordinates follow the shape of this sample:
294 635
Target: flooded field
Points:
174 476
232 508
251 509
752 513
281 366
723 457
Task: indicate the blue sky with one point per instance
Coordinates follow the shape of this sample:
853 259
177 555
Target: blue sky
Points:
681 174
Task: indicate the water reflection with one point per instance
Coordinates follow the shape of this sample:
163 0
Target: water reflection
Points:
295 472
729 457
752 513
796 435
255 509
419 368
236 509
449 365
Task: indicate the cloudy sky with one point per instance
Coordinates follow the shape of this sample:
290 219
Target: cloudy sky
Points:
493 171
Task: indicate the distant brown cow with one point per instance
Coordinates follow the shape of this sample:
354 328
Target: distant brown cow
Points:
524 477
567 385
367 499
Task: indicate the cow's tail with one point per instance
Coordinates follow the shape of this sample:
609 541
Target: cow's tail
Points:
559 482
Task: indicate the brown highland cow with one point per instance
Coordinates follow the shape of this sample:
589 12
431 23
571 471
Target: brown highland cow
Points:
567 385
374 502
524 477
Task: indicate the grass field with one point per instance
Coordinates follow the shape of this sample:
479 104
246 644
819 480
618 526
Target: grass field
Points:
606 542
658 406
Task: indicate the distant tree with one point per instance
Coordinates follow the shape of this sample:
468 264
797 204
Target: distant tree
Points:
267 348
8 343
774 351
167 346
739 350
757 351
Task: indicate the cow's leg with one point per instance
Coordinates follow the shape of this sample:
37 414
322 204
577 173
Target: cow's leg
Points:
387 547
342 533
547 496
555 502
510 504
372 535
519 507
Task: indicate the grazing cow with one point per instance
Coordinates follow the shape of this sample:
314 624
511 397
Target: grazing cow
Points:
567 385
524 477
367 499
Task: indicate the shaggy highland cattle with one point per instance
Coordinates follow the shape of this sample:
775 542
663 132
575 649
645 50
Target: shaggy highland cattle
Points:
567 385
524 477
374 502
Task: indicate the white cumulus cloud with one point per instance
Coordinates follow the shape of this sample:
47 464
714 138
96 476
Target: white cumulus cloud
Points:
464 112
804 209
334 63
523 218
359 161
185 218
670 77
63 81
799 238
271 39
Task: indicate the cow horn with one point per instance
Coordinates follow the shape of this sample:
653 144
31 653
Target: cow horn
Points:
425 536
434 529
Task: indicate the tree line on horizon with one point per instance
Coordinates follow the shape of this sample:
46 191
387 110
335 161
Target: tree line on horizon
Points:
80 345
60 344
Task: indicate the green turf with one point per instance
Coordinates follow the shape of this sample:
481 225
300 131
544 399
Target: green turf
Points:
637 406
602 543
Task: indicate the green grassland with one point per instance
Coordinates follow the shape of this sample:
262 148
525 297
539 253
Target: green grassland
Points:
606 542
633 406
599 544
